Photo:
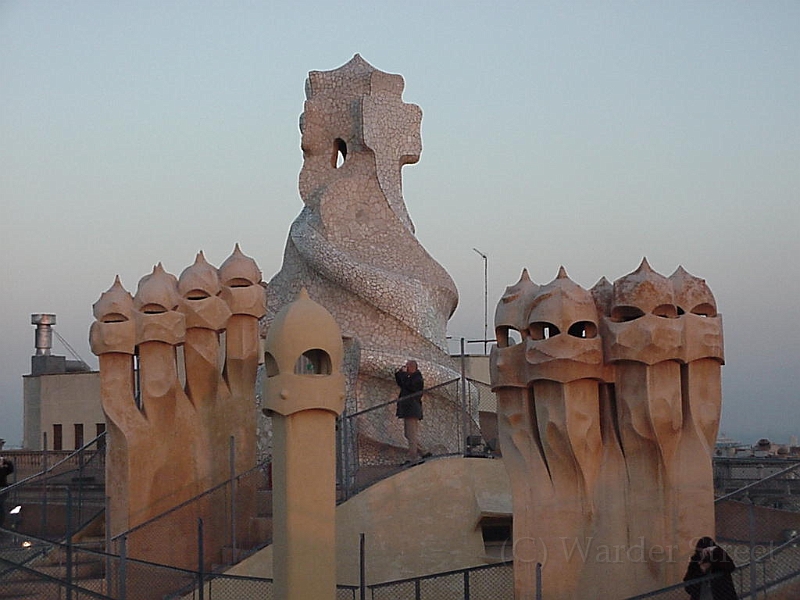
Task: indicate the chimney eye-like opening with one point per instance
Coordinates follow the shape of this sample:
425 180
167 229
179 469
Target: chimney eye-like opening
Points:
197 295
507 336
666 311
153 309
704 310
114 318
541 330
339 153
313 362
238 282
583 329
624 314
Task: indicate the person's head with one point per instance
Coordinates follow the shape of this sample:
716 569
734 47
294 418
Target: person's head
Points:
704 542
411 366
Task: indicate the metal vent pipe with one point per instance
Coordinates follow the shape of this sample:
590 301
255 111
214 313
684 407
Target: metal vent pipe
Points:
44 333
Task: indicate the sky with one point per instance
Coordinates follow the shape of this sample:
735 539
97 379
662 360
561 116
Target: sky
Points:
582 134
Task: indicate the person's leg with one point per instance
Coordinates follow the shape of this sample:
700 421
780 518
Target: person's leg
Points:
411 430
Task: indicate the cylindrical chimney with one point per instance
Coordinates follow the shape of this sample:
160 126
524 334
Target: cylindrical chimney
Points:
44 333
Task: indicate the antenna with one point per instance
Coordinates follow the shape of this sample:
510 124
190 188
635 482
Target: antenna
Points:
485 297
70 349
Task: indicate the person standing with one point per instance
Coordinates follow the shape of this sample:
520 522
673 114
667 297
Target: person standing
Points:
6 469
409 407
710 559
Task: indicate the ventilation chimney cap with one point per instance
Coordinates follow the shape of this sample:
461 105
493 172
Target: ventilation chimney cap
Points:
43 319
44 332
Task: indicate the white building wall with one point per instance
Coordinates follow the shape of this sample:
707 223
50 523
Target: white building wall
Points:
64 399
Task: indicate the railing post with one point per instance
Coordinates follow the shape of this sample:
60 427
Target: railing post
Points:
341 454
43 520
349 454
232 454
108 543
538 581
362 566
81 473
464 413
751 514
68 540
466 584
200 559
122 583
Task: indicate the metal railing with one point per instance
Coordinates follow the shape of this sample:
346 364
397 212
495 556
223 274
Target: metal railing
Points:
489 582
762 540
372 447
230 515
21 581
64 496
98 575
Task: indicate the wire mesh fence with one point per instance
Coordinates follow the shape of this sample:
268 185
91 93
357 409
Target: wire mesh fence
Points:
24 581
758 526
760 523
207 532
679 591
490 582
69 571
65 496
372 445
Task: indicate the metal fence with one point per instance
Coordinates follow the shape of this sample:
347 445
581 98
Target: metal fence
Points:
758 525
64 497
761 523
372 447
35 462
214 530
20 581
489 582
53 541
68 571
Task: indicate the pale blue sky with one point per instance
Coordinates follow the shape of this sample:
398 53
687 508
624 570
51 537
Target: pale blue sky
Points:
585 134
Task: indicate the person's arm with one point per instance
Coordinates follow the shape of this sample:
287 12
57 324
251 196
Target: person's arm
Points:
693 572
721 562
416 383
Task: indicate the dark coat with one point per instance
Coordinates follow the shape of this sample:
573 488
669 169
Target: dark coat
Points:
722 566
6 469
411 385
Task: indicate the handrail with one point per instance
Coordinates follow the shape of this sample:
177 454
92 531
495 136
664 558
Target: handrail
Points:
396 400
756 483
676 586
754 561
504 563
189 501
41 576
52 467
